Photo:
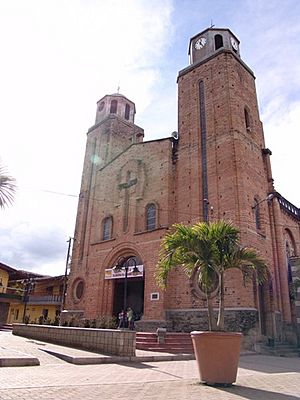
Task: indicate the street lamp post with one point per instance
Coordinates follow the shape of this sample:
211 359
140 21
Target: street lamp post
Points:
124 263
126 266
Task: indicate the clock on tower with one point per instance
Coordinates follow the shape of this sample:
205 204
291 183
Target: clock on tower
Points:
211 41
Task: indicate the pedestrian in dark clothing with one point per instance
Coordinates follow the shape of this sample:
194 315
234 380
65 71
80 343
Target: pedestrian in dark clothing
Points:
122 319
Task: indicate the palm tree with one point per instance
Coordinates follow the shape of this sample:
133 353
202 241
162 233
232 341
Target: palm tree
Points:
7 188
206 251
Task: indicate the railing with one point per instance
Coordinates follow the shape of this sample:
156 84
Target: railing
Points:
288 207
50 299
19 294
10 293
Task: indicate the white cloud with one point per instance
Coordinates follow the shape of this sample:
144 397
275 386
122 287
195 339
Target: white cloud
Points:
29 246
58 58
281 129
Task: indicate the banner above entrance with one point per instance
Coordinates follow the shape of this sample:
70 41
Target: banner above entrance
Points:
112 273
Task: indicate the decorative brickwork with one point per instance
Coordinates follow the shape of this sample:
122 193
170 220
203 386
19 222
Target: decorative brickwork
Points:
242 320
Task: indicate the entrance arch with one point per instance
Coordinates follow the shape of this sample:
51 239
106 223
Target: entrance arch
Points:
135 290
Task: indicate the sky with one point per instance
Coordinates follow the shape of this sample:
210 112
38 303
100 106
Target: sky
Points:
59 57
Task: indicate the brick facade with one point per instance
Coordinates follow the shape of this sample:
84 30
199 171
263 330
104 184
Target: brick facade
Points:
218 168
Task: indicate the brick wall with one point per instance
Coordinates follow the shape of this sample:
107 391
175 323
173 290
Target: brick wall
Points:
121 343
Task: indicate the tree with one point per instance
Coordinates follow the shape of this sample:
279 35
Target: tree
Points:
7 188
206 251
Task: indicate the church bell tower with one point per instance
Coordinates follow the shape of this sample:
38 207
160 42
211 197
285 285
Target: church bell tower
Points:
222 159
223 167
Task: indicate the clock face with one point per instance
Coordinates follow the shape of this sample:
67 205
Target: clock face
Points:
234 44
201 42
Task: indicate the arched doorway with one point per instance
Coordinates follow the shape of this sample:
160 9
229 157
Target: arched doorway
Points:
266 308
134 289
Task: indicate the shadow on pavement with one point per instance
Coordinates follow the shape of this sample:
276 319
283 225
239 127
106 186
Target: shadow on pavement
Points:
147 366
139 365
270 364
256 394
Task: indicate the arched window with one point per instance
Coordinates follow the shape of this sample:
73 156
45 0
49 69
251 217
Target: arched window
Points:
78 290
127 111
107 228
291 252
257 214
113 106
218 41
247 119
101 106
150 216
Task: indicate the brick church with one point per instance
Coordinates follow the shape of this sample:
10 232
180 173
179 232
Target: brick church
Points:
216 166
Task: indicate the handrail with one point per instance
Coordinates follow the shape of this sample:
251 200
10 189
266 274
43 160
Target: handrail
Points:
288 206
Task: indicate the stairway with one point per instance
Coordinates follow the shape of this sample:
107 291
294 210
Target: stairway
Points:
174 343
7 328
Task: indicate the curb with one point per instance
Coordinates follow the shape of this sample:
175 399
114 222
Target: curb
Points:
19 361
78 360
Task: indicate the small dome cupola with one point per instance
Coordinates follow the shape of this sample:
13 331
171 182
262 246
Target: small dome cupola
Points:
211 41
115 104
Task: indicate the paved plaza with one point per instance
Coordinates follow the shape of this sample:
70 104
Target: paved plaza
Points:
259 377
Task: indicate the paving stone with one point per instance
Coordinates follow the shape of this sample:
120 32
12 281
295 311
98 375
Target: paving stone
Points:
259 377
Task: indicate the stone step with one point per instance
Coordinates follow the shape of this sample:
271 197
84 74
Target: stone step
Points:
5 327
174 342
167 339
177 336
169 344
171 350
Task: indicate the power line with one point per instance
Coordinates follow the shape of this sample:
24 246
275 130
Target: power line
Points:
106 200
183 213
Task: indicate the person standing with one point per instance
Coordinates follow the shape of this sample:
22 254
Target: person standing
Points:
130 318
122 319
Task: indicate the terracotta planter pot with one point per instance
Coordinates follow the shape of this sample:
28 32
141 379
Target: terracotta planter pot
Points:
217 355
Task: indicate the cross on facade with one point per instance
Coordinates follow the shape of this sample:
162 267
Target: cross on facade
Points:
126 185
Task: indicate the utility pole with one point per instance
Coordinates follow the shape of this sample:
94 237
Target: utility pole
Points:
29 285
63 300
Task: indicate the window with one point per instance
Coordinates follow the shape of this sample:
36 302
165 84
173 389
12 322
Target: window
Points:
49 290
247 119
218 42
151 217
107 228
113 106
127 111
78 290
257 214
101 106
198 289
